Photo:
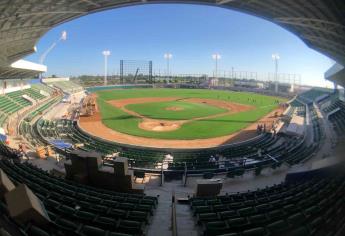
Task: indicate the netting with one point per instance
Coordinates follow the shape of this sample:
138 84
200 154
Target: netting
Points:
135 71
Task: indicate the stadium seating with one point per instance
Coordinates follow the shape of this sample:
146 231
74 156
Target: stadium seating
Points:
315 93
81 210
308 207
67 86
337 118
14 101
39 86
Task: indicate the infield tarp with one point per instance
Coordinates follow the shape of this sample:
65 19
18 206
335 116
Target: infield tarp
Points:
60 144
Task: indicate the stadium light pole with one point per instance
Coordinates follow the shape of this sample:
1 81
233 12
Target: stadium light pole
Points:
168 56
106 54
276 58
216 57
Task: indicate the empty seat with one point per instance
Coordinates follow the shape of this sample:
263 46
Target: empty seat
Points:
36 231
88 230
228 214
207 217
260 231
297 219
278 227
66 224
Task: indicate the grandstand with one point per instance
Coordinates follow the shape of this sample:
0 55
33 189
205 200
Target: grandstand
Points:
63 84
57 178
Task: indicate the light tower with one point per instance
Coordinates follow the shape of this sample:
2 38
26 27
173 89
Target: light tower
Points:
276 58
216 57
106 54
167 57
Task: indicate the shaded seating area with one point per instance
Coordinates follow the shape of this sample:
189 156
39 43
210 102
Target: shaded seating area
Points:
338 117
76 209
308 207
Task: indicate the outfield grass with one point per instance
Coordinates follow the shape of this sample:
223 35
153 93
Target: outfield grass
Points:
119 120
158 110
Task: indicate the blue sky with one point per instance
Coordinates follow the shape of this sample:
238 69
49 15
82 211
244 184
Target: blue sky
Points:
192 33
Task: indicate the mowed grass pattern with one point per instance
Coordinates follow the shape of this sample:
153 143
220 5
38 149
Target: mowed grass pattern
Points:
121 121
188 110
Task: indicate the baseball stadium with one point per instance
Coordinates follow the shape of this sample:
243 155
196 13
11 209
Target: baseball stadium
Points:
141 153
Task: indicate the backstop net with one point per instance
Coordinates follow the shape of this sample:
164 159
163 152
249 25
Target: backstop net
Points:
135 71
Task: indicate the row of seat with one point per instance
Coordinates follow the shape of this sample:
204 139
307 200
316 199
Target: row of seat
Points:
82 205
67 86
337 118
312 207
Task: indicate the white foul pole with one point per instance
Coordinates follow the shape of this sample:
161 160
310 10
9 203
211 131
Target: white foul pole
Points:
106 53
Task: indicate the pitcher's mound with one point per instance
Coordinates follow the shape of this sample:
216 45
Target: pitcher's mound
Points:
159 126
174 108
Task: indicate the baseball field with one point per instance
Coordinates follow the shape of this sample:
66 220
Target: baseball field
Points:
180 114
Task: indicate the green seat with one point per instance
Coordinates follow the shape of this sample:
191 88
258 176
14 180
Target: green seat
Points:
110 203
297 219
144 207
207 217
246 211
105 222
258 219
237 222
263 208
66 224
312 211
117 234
36 231
228 214
216 227
99 208
92 231
126 206
84 215
278 227
291 208
260 231
220 208
276 214
66 210
301 231
236 205
138 215
128 226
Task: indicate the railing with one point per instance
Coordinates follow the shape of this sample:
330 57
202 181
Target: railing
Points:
173 215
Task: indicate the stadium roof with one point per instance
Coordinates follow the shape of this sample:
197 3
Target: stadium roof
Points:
319 23
21 69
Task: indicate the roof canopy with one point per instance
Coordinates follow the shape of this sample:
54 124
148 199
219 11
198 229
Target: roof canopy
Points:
319 23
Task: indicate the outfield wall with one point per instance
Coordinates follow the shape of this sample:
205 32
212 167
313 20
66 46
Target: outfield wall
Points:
122 86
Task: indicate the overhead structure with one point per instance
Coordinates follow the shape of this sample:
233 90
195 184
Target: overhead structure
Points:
21 69
319 23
